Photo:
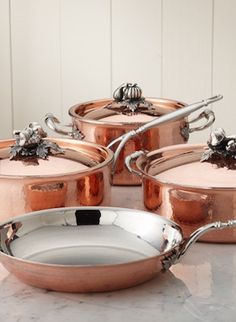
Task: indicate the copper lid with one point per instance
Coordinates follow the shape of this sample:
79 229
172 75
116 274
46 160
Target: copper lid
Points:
32 154
181 166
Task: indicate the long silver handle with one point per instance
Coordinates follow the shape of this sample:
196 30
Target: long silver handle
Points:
177 254
185 111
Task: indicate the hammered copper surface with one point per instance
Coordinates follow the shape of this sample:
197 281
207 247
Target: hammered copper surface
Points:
103 133
20 194
74 279
47 194
190 207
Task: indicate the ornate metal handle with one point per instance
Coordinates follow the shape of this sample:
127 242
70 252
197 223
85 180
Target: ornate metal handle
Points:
185 111
128 100
130 158
207 114
31 144
168 261
221 150
53 123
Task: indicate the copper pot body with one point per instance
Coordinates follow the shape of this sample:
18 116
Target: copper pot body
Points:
103 133
190 207
22 194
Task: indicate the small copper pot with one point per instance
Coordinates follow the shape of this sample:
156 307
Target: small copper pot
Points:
177 186
25 189
103 121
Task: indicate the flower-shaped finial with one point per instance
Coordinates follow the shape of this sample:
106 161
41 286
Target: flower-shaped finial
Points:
30 143
222 150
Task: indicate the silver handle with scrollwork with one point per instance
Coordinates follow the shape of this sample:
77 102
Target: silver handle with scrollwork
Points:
54 124
209 117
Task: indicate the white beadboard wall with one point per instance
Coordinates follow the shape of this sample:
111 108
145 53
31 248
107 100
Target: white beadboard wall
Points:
55 53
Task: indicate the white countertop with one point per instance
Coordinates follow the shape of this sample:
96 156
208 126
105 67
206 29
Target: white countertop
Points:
200 288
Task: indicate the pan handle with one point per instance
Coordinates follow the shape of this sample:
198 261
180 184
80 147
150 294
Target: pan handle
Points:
177 254
185 111
209 117
130 158
54 124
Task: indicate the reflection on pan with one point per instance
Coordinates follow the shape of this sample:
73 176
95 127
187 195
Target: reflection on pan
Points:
92 249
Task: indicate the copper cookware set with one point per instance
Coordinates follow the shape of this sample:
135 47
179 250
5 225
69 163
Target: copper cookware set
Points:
115 247
88 186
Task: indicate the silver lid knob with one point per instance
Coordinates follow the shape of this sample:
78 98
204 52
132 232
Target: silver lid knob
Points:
30 143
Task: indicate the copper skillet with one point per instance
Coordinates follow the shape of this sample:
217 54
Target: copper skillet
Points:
93 249
89 124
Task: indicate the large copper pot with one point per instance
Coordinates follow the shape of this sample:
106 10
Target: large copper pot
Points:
84 178
102 121
181 188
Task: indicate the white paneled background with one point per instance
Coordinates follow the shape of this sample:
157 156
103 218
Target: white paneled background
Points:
55 53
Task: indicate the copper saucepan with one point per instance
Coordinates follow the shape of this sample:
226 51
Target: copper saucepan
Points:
103 121
74 173
93 249
78 176
193 184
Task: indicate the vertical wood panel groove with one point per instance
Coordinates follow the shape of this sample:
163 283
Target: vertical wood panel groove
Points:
11 69
60 59
5 75
162 35
212 45
111 50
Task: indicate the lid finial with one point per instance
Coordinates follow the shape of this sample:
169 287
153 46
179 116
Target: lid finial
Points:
30 143
128 100
221 150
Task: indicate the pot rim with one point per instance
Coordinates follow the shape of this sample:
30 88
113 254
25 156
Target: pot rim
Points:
107 161
72 111
168 183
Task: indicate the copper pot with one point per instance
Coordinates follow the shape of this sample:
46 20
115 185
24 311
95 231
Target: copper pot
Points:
192 193
79 176
102 121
